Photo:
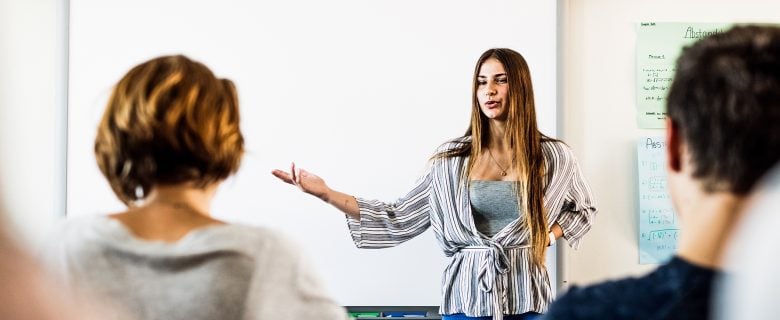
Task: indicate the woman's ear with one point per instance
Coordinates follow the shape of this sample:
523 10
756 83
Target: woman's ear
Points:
673 146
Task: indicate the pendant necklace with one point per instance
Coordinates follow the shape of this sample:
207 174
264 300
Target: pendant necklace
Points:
503 172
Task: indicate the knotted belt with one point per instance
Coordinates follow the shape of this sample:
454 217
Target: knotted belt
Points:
493 264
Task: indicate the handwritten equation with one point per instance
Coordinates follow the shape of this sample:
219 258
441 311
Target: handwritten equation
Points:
658 231
655 85
662 216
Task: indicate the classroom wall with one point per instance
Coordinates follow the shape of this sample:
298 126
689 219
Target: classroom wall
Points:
599 113
32 116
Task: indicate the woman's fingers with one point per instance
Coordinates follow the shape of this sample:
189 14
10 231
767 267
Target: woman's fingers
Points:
284 176
293 174
294 177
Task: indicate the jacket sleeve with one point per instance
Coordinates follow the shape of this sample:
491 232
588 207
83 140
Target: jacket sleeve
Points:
384 225
579 208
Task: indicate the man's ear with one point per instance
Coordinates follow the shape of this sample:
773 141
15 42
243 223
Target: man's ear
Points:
673 146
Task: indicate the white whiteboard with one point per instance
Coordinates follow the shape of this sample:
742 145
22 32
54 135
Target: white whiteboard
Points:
359 92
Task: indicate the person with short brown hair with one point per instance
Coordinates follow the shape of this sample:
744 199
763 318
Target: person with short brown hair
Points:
169 121
169 136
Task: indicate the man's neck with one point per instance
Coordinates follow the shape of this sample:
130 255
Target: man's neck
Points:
707 222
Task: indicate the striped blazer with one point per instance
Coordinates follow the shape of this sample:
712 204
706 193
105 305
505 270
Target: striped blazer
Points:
485 276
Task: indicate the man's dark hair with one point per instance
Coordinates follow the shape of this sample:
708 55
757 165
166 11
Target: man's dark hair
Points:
725 100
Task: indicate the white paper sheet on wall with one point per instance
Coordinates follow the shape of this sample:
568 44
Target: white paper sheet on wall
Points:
658 230
658 46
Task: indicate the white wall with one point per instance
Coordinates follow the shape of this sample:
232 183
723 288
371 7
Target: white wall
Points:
32 117
599 114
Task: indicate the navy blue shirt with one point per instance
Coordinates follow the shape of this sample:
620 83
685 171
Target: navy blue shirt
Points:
676 290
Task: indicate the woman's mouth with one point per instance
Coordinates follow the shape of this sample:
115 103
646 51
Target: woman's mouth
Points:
491 104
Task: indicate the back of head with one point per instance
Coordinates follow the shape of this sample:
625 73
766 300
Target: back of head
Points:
169 120
725 100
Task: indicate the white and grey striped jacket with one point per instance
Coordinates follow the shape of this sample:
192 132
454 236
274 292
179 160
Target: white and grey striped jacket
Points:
485 276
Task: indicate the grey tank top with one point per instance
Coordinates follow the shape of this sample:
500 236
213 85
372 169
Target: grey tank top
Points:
493 204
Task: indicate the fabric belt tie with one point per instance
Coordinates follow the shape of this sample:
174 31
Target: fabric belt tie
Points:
494 264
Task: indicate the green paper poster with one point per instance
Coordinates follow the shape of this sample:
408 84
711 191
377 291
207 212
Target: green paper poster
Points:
658 46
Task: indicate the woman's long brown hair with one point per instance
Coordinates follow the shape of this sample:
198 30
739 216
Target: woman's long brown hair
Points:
524 139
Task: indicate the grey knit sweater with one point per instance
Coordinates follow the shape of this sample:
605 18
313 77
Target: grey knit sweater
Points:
219 272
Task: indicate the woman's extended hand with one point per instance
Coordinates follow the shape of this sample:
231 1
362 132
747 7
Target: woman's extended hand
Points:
314 185
306 181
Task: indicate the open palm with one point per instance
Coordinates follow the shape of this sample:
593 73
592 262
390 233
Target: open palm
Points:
306 181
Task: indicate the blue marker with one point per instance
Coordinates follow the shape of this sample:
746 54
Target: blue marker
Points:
405 314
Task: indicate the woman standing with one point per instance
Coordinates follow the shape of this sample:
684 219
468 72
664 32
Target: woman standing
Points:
496 198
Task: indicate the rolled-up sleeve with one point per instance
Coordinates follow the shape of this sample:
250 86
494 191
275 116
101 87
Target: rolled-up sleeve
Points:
384 225
579 208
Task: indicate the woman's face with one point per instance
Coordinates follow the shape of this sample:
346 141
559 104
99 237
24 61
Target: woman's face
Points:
492 88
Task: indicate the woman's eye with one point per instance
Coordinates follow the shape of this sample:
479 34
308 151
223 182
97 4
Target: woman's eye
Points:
501 80
481 83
